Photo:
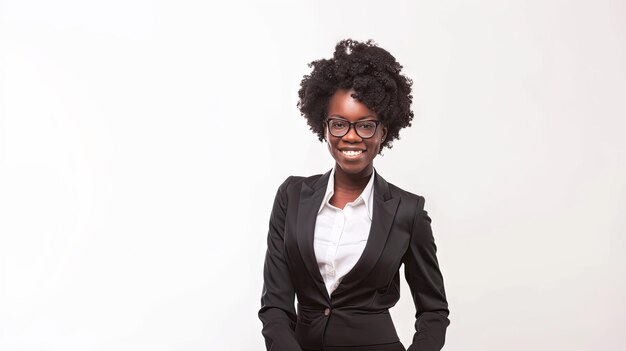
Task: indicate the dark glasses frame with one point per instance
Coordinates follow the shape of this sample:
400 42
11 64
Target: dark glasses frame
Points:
350 125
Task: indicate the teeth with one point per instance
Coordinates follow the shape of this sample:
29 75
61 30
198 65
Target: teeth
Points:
352 153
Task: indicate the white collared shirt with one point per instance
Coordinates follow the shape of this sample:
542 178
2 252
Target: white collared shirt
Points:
341 234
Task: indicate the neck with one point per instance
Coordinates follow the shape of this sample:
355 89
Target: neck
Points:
352 182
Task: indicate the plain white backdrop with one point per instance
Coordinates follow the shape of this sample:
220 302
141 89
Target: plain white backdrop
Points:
142 143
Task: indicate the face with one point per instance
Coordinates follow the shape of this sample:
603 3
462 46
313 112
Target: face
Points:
343 106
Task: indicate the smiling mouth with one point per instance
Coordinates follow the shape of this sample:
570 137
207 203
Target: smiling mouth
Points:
352 153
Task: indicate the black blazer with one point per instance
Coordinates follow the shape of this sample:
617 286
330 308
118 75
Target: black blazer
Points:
357 312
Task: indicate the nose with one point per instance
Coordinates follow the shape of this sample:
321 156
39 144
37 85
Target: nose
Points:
352 135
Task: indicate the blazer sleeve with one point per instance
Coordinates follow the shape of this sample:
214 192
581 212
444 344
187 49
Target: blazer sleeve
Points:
421 270
277 300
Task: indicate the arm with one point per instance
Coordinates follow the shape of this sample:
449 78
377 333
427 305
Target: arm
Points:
421 271
277 301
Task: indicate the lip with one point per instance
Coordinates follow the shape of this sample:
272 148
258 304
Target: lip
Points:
351 149
347 157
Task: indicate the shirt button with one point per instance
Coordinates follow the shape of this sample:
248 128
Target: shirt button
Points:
327 312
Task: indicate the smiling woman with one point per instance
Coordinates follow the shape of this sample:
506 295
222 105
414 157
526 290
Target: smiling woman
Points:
337 240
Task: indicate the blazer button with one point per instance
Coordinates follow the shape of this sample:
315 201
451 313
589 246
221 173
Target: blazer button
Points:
327 312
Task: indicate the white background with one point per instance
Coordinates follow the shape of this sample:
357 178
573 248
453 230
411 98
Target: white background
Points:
142 143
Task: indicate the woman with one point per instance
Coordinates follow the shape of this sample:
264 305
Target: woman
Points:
336 240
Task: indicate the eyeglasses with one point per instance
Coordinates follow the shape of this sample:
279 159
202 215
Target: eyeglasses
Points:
339 127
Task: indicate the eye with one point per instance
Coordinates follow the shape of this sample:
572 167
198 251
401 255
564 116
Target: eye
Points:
337 124
367 126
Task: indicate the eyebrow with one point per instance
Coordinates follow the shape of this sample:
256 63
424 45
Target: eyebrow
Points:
360 118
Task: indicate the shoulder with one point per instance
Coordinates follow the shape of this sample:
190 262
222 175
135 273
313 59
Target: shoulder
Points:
294 179
295 182
407 197
412 208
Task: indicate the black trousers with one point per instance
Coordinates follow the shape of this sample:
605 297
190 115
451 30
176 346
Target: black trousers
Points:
396 346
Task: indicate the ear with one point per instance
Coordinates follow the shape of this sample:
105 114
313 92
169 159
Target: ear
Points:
384 134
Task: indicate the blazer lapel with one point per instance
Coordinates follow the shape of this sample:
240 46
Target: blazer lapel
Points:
311 196
384 212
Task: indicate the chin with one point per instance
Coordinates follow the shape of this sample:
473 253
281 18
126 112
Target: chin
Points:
352 167
349 166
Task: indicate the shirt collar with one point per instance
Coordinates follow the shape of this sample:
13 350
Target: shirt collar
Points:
367 195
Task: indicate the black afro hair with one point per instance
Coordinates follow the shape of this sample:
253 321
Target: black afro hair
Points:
374 75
